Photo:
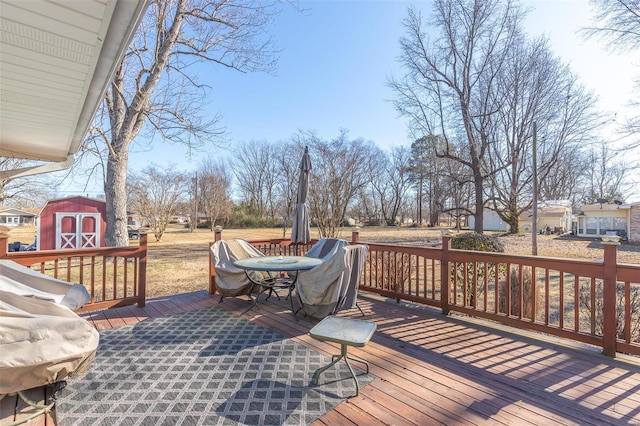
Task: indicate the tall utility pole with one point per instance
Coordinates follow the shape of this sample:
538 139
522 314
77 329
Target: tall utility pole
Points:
534 216
419 212
194 223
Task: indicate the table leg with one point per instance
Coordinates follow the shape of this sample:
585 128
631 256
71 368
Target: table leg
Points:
290 296
334 360
254 299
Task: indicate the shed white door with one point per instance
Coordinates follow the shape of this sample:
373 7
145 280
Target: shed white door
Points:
77 230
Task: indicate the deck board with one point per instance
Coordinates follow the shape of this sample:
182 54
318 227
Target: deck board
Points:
432 369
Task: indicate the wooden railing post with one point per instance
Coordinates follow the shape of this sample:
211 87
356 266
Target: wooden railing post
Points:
355 235
212 272
445 276
4 241
142 278
609 296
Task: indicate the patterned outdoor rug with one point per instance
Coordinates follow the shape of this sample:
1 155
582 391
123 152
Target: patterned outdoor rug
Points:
205 367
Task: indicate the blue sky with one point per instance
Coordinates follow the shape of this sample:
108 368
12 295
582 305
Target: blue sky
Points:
333 68
332 71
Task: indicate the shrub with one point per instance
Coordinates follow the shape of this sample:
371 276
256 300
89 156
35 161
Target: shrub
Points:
527 295
477 242
591 312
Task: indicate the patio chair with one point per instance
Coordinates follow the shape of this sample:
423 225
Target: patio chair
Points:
332 286
326 247
356 257
232 281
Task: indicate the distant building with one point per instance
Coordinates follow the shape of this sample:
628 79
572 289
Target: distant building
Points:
17 217
595 220
491 221
554 216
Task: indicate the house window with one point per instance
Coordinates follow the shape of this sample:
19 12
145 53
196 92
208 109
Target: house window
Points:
592 226
619 224
12 220
604 224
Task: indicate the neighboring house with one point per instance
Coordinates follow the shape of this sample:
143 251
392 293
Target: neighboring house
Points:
135 220
17 217
595 220
634 223
74 222
554 214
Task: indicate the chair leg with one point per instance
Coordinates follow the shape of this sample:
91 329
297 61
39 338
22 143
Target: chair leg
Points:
360 309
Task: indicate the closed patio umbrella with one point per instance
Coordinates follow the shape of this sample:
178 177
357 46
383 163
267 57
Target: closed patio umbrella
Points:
300 231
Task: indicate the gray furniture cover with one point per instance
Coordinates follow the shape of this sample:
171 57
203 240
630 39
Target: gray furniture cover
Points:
332 286
324 248
42 340
232 281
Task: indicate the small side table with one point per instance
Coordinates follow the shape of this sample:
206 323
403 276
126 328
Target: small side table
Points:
347 332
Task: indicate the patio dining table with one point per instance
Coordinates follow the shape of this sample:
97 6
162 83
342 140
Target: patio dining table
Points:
286 267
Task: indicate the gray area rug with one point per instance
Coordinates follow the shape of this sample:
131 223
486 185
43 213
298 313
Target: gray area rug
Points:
206 367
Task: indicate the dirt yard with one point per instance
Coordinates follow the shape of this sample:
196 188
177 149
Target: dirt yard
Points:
179 263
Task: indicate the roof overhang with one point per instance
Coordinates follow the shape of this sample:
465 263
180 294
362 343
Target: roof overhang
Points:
56 62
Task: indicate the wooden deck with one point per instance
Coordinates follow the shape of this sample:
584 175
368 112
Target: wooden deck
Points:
432 369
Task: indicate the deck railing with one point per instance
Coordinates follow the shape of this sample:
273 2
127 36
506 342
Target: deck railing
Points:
114 276
594 302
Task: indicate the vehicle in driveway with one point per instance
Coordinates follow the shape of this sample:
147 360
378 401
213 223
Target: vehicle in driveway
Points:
134 233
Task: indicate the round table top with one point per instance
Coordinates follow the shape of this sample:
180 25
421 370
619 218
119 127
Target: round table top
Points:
278 263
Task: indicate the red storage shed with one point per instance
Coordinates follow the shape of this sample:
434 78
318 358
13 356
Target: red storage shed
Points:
74 222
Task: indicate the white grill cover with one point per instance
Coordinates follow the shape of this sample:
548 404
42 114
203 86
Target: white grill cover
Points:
42 341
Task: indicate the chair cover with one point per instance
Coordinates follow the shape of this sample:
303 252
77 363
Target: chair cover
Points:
332 286
356 258
230 280
25 281
326 247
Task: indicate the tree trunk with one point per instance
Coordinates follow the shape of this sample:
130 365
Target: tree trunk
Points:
479 216
116 191
514 224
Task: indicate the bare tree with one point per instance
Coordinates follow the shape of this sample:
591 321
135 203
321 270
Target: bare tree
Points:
214 190
289 156
565 181
450 79
533 86
458 186
23 192
393 182
618 23
155 195
340 169
429 174
155 87
606 176
256 167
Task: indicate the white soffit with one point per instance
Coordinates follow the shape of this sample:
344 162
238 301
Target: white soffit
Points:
57 58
